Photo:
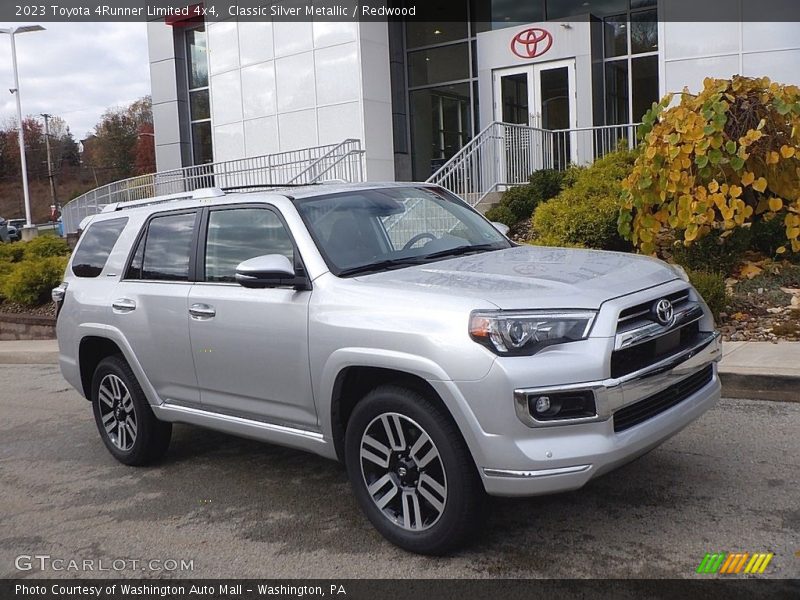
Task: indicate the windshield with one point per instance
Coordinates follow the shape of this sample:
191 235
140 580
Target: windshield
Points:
367 231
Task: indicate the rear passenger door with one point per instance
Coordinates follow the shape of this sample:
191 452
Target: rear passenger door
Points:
151 304
250 345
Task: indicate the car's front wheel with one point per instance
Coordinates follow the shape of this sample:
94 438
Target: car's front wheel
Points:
126 423
412 472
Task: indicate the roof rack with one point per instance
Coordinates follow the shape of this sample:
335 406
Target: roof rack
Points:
210 192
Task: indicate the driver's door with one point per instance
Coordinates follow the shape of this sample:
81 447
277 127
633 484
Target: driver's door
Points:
250 345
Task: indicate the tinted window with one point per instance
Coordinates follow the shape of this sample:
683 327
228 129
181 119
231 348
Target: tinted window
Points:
240 234
166 249
95 247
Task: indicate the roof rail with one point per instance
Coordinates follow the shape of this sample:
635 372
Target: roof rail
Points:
211 192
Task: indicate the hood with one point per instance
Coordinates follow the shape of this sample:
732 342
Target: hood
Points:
533 277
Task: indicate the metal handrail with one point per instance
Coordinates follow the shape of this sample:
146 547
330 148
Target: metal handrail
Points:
505 154
345 159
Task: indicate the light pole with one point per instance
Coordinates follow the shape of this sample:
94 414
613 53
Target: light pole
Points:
13 31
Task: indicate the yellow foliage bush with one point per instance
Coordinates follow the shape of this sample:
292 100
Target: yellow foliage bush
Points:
718 160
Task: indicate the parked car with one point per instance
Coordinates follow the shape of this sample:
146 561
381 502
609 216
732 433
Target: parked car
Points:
15 229
4 235
388 326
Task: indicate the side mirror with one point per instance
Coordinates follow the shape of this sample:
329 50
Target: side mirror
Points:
501 227
268 271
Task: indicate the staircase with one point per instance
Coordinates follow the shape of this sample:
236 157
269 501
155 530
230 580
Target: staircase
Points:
503 155
343 161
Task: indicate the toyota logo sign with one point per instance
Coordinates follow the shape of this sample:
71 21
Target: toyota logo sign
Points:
664 312
531 43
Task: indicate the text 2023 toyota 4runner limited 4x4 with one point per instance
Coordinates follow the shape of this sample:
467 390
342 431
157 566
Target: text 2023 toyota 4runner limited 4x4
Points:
389 326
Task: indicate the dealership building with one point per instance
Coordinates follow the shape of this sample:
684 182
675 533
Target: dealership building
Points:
415 94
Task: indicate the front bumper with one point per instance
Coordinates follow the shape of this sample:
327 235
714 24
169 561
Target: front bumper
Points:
531 459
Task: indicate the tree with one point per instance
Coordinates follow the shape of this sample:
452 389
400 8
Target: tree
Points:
116 136
717 161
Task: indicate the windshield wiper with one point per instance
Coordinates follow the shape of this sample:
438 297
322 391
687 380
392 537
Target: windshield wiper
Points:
460 251
383 265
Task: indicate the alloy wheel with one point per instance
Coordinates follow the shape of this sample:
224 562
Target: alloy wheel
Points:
117 412
403 471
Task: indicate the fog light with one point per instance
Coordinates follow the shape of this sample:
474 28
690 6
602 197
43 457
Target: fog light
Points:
542 404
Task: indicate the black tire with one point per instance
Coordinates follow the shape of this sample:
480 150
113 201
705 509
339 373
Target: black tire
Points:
463 508
151 437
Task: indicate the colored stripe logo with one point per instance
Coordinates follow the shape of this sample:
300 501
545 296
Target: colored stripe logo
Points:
729 563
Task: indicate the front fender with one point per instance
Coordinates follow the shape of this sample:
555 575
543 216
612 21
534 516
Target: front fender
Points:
419 366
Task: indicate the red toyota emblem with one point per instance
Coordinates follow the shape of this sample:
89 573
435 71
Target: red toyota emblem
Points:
531 43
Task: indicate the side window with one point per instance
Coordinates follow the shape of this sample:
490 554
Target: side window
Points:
239 234
163 253
95 247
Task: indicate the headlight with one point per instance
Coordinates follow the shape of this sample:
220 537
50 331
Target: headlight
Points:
522 333
680 272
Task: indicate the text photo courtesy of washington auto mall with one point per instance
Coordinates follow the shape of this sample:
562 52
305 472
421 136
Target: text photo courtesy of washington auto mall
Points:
393 299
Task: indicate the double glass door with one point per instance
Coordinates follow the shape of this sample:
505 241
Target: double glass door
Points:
541 96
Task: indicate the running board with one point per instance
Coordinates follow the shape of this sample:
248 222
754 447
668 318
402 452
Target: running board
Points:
302 439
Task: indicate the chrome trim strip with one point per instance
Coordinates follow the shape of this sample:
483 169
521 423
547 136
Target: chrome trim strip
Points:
676 302
640 335
612 394
241 421
539 473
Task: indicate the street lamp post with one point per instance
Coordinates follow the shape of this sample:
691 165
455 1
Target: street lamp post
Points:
12 32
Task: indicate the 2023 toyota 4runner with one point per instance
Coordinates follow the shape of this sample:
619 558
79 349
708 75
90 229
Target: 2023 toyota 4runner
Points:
391 327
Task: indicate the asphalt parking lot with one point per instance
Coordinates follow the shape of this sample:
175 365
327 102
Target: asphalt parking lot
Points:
236 508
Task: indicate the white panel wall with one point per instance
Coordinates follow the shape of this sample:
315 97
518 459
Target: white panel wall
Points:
283 86
741 46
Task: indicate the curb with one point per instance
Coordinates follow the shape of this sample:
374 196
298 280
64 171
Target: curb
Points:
775 388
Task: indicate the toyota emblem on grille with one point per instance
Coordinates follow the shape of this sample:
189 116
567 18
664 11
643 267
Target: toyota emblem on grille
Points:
663 311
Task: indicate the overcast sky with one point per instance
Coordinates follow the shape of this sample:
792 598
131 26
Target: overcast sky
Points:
76 71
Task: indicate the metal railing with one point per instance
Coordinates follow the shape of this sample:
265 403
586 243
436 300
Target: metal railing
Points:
504 154
335 161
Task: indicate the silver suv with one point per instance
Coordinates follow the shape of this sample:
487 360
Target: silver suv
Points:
391 327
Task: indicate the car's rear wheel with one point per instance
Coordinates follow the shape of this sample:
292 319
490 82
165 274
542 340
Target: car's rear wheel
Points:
412 472
126 423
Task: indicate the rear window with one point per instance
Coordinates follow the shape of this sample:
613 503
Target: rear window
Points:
164 251
96 245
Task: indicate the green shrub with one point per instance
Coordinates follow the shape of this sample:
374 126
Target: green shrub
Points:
30 281
714 253
711 286
45 246
768 236
11 253
519 202
585 214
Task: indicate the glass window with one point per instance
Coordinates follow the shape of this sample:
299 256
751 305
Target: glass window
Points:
199 105
617 92
642 3
197 56
514 96
202 149
451 28
360 231
509 13
558 9
167 249
644 72
240 234
437 65
644 32
440 125
96 245
616 35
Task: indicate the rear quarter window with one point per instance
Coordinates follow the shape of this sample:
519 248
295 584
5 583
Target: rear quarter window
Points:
95 247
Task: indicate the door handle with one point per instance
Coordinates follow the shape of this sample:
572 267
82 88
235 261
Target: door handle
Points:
202 311
123 305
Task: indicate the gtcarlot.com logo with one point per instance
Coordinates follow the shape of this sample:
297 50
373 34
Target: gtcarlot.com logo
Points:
45 562
732 563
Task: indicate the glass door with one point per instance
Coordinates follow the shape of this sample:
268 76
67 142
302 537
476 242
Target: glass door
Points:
541 96
554 108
